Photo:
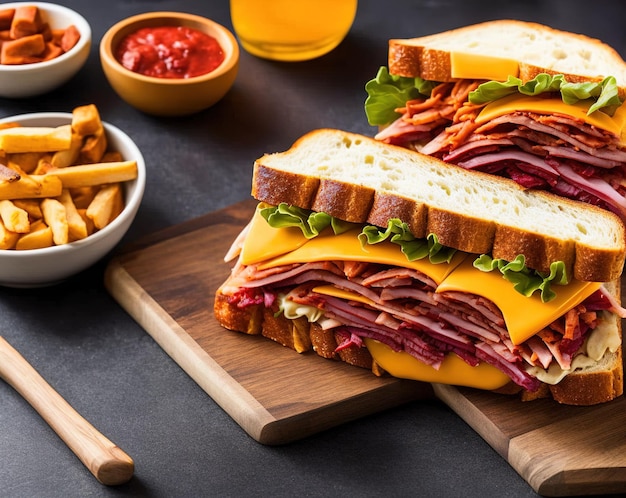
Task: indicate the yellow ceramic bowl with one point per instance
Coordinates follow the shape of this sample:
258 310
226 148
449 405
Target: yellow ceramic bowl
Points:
169 96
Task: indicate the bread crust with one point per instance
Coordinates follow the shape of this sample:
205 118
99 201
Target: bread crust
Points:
358 203
591 388
537 249
347 201
386 206
420 57
282 186
298 334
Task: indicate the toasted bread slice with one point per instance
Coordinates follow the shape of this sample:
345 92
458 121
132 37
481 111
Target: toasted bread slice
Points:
358 179
536 48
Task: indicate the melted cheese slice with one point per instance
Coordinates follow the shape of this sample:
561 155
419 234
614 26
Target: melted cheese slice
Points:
614 124
524 316
453 370
266 246
482 67
264 242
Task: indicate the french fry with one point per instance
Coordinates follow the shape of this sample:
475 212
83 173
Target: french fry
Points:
51 51
43 165
86 175
118 205
86 120
8 239
31 206
39 237
83 196
14 218
76 225
35 138
26 161
55 217
102 207
33 186
67 157
112 157
88 221
94 147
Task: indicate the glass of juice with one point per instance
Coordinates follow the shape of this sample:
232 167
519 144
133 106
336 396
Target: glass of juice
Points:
291 30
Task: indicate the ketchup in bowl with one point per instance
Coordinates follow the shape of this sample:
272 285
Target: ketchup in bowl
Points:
170 52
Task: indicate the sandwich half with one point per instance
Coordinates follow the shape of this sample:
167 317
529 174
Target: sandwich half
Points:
522 100
401 263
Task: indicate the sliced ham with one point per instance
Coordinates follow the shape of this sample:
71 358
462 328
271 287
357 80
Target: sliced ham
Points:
487 354
483 145
485 160
595 186
490 146
411 317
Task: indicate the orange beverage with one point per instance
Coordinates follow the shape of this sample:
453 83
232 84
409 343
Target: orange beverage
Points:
291 30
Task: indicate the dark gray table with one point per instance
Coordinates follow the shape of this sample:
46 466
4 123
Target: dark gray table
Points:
114 374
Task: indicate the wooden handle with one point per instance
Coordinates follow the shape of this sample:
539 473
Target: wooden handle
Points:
108 463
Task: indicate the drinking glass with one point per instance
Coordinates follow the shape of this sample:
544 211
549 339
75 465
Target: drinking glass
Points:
291 30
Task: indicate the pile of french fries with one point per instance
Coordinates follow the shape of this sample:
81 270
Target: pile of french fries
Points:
59 184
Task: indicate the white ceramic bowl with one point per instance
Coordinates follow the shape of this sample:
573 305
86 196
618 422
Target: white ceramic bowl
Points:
41 267
29 80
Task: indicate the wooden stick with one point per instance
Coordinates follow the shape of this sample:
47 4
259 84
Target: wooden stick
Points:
108 463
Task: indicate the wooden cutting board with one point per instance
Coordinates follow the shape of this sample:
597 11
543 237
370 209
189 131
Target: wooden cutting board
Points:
276 395
166 282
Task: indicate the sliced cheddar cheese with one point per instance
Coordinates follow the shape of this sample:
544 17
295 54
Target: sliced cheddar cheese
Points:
264 242
517 102
453 370
270 247
483 67
524 316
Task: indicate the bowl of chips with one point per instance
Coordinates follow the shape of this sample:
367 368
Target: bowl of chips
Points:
70 187
169 63
45 46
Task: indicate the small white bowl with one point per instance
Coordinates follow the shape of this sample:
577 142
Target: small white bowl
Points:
29 80
42 267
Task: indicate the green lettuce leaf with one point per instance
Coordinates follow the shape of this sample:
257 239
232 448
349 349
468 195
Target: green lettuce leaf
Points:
414 249
604 94
524 280
310 223
388 92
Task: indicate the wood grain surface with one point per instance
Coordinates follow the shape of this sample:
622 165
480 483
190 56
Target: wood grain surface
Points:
167 283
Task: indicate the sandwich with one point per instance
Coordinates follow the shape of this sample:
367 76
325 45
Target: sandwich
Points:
401 263
522 100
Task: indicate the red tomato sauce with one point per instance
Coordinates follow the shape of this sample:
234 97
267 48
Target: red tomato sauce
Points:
170 52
